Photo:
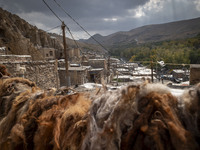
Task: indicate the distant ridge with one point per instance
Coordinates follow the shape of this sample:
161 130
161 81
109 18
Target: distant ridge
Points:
152 33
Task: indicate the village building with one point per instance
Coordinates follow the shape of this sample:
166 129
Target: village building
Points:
77 75
182 74
194 74
48 53
123 68
123 71
98 71
59 54
114 60
178 73
84 60
143 71
74 54
96 74
97 63
123 78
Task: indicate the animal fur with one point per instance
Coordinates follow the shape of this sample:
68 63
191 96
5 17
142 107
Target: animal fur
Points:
3 71
29 114
145 116
140 116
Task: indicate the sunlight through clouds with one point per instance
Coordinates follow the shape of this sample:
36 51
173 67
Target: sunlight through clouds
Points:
197 3
139 13
110 19
152 5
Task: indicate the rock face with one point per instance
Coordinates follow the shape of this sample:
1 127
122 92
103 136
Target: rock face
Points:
20 37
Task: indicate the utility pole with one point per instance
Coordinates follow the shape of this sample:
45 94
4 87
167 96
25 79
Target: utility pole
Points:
152 71
65 53
56 73
108 69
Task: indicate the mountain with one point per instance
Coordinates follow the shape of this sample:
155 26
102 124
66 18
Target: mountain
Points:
85 47
152 33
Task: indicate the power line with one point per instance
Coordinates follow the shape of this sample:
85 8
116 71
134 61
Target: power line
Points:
80 25
59 26
52 28
52 11
64 44
72 36
77 45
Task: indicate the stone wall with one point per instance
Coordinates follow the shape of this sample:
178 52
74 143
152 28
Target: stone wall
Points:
12 58
43 73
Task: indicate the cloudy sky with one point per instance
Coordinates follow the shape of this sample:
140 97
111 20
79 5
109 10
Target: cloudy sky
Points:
102 16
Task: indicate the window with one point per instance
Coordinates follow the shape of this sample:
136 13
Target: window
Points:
51 53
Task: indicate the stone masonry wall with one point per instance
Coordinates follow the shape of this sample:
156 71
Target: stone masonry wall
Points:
44 74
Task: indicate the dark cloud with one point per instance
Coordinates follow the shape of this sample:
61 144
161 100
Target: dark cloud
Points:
103 16
78 8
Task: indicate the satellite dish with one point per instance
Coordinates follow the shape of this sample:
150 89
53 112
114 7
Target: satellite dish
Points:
161 63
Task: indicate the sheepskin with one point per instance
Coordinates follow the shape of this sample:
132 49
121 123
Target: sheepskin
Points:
136 117
32 118
3 71
144 116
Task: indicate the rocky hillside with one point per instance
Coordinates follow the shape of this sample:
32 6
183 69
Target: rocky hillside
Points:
152 33
21 38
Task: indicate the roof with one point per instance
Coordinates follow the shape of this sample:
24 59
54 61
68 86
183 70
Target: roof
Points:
96 59
96 69
122 69
74 65
178 71
82 68
195 66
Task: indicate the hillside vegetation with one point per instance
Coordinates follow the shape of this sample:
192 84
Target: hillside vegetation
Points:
170 51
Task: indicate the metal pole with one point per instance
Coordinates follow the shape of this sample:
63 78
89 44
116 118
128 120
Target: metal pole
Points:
65 53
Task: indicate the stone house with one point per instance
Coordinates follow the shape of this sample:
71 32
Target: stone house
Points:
96 74
74 52
177 73
97 63
194 74
77 75
48 53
